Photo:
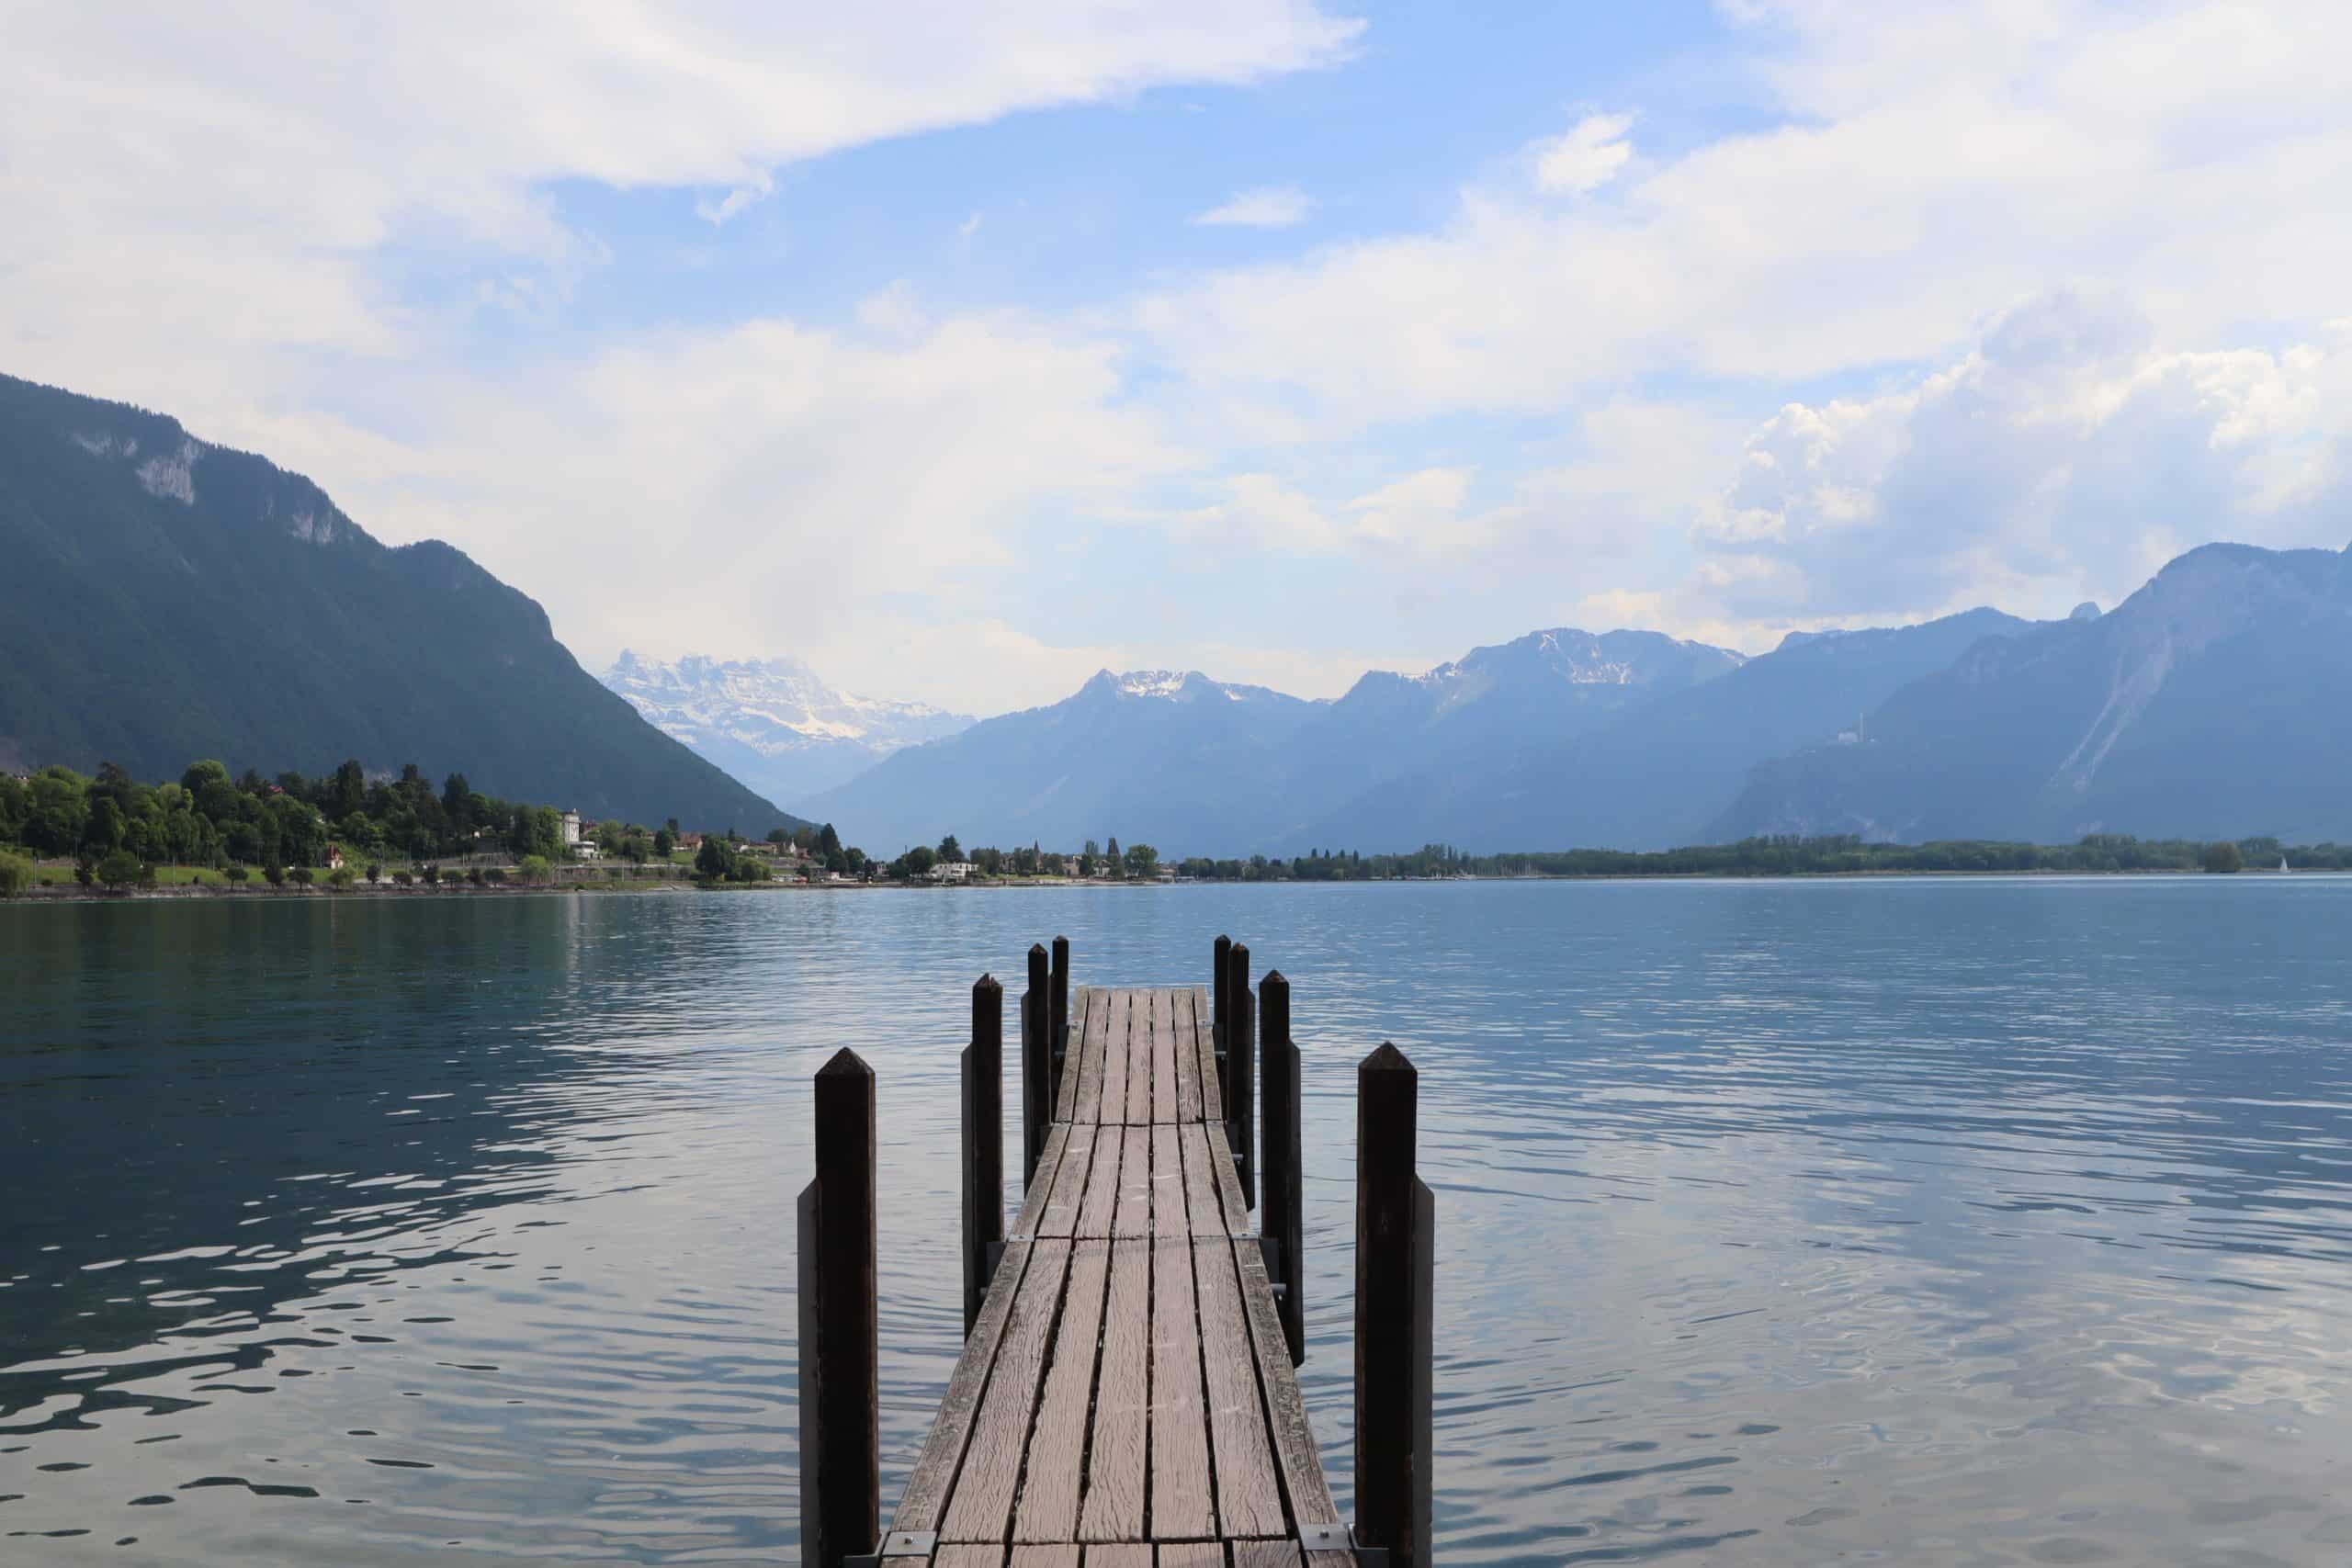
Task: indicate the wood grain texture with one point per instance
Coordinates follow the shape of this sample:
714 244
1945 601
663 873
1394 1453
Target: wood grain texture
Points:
1115 1459
1040 1184
1204 1042
1088 1106
1232 1207
1193 1554
1057 1464
1139 1059
1131 1219
1118 1557
981 1506
1198 1144
1063 1556
1069 1187
1272 1554
1066 1102
1188 1056
1100 1206
1294 1442
1249 1500
1180 1501
925 1498
970 1556
1171 1214
1120 1020
1164 1104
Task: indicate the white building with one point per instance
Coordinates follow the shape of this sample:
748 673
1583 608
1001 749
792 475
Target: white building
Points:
952 871
570 830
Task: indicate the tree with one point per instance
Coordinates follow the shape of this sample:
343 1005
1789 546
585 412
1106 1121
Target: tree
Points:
16 876
375 870
347 795
533 869
1113 853
302 875
428 874
236 874
2223 858
829 843
341 878
273 872
714 859
665 842
117 869
1143 862
949 850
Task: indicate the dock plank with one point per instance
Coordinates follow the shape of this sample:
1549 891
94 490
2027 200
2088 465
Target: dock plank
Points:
1139 1057
1249 1500
1131 1217
1164 1104
1088 1107
1204 1043
970 1556
1065 1556
1115 1457
1219 1167
1120 1019
1172 1218
1302 1467
1193 1554
981 1508
1118 1557
1066 1099
1188 1057
1101 1205
1057 1464
1180 1505
1040 1185
1059 1217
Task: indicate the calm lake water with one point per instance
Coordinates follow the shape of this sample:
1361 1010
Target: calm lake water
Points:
1934 1222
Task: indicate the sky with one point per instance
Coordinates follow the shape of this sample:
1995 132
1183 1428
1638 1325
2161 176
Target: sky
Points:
961 350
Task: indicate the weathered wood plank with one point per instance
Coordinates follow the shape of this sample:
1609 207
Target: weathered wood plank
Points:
1068 1188
1063 1556
1057 1464
1181 1506
1088 1107
1131 1220
1114 1058
925 1498
1066 1102
1101 1202
1274 1555
1114 1470
1196 1145
1232 1207
1193 1554
1164 1104
1139 1059
1302 1469
981 1506
968 1556
1204 1042
1040 1184
1188 1056
1249 1501
1172 1217
1118 1557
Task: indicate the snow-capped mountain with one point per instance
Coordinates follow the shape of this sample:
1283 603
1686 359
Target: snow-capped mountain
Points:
774 723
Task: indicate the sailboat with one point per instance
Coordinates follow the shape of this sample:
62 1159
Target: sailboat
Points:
2282 865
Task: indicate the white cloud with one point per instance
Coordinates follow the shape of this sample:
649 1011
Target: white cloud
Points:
2065 457
1267 207
1587 157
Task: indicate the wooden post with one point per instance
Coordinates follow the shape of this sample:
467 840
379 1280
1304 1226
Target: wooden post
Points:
1280 1223
983 1065
1217 1016
1395 1242
840 1434
1036 1066
1242 1023
1058 1015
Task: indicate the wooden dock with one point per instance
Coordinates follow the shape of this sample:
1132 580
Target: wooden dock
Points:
1127 1396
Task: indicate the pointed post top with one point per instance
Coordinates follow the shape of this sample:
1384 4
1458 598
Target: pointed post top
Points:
844 1061
1386 1058
1036 950
1274 978
986 983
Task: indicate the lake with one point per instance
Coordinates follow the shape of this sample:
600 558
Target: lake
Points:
1950 1221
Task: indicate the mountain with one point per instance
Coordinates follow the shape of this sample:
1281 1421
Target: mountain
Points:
1657 773
176 601
1169 758
2210 703
1195 766
772 723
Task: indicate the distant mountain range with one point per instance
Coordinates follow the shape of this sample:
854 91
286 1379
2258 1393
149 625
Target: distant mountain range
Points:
2210 703
773 723
172 600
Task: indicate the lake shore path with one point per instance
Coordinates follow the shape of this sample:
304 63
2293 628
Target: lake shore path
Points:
1127 1396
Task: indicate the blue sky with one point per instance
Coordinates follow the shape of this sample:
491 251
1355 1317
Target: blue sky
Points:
960 351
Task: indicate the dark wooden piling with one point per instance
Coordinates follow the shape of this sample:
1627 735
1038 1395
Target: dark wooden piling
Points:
841 1436
1241 1022
1280 1221
983 1065
1058 1017
1395 1240
1218 951
1036 1064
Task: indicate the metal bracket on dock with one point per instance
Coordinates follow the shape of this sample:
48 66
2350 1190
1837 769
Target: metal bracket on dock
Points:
1341 1538
898 1543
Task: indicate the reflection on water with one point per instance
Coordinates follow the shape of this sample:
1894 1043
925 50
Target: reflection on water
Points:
1950 1221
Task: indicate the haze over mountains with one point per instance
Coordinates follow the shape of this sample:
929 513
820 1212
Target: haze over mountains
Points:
773 723
173 601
